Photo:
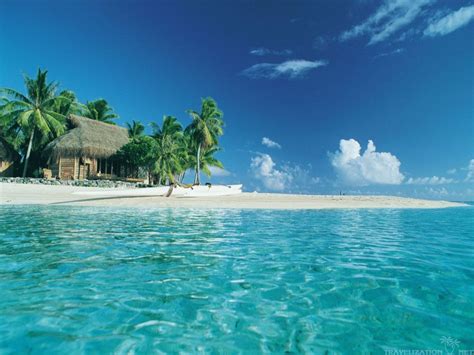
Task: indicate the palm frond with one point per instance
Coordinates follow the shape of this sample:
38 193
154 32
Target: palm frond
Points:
17 95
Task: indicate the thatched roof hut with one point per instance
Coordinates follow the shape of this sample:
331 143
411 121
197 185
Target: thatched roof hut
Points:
88 138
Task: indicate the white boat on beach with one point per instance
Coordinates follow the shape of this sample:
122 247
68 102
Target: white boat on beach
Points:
192 191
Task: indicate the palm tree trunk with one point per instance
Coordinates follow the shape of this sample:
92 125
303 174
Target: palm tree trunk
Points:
182 177
197 179
30 144
170 191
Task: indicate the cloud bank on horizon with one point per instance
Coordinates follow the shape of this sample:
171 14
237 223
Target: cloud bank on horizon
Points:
434 180
470 172
352 167
382 168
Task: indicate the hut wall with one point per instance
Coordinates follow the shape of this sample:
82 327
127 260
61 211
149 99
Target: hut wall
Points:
67 168
81 172
54 167
87 168
93 171
74 168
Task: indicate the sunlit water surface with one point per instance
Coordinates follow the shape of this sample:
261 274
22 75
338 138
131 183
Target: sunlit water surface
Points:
82 280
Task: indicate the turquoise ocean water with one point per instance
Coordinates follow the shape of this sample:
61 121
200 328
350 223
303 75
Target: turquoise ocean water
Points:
97 280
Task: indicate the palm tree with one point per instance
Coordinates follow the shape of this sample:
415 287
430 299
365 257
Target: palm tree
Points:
205 129
208 160
169 138
135 129
69 106
187 156
99 110
34 112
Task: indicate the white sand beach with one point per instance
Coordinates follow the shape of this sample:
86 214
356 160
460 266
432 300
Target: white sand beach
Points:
15 194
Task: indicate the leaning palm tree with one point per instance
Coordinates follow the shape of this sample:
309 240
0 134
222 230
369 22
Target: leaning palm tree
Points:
34 113
169 138
205 129
135 129
99 110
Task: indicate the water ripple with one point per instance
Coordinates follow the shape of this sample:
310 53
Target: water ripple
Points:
164 280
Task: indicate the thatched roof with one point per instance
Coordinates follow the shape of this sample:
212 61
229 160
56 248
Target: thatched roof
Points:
88 138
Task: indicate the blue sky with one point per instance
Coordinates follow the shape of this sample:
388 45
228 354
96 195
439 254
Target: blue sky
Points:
318 78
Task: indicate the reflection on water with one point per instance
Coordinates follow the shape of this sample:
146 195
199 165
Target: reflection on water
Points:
122 280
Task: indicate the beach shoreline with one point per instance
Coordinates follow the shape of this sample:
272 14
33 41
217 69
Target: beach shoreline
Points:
28 194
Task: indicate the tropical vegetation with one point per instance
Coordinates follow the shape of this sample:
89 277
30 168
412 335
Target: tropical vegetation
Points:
31 120
204 130
135 129
172 148
33 113
99 110
140 154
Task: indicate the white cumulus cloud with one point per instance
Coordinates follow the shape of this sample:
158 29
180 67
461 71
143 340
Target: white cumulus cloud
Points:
292 69
433 180
371 167
288 177
450 22
388 19
263 168
270 144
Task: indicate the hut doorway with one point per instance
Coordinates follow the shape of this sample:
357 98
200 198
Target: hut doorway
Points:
84 168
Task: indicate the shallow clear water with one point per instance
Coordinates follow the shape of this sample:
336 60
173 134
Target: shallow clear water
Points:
82 279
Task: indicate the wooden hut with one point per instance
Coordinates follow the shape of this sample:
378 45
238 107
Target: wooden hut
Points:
87 150
7 158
